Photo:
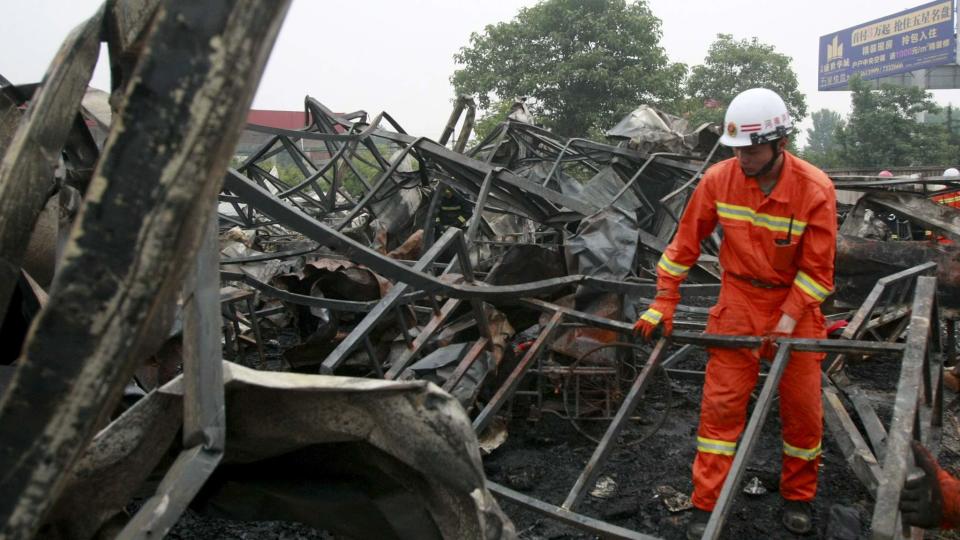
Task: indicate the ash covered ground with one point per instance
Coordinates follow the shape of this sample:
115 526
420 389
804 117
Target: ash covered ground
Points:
544 458
544 454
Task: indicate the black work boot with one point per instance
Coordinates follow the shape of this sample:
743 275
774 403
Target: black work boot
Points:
797 516
697 524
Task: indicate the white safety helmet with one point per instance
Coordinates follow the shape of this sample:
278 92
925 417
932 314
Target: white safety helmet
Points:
756 116
952 171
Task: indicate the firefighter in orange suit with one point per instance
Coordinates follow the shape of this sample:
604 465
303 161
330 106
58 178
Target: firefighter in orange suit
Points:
779 221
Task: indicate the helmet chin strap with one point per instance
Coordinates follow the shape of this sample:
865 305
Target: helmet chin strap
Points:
769 165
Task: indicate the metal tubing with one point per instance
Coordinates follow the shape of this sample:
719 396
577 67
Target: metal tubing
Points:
584 523
886 516
425 334
387 303
477 217
855 450
603 449
397 160
506 391
760 410
468 360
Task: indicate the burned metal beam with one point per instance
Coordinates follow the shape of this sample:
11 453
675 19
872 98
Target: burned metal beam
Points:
580 521
468 360
506 390
383 307
27 169
915 381
859 457
125 260
630 402
436 320
731 486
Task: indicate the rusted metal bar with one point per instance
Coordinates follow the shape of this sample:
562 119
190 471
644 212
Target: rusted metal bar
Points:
580 521
422 338
731 486
716 340
154 191
630 402
899 457
506 390
350 306
876 433
950 357
861 460
477 217
468 360
404 327
27 169
374 361
204 415
386 304
463 261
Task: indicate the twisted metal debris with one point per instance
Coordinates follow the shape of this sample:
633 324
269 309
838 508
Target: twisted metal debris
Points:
332 238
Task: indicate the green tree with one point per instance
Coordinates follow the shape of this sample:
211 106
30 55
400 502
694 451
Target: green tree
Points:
733 66
586 63
822 149
882 130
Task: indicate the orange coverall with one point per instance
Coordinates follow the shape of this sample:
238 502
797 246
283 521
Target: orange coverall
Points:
762 279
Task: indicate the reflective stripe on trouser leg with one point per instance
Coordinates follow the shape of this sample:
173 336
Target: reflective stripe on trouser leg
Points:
731 376
801 414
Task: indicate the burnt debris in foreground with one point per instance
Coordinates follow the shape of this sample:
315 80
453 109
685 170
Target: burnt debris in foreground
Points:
387 376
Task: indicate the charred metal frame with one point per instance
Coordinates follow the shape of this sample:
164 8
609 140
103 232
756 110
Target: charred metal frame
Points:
918 408
907 407
204 416
887 304
155 198
451 238
882 309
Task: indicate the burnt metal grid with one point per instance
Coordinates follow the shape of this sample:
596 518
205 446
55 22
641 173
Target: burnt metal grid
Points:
908 403
494 188
884 316
63 388
897 287
895 290
919 398
506 391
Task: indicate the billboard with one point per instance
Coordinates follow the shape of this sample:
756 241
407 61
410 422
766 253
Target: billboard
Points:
914 39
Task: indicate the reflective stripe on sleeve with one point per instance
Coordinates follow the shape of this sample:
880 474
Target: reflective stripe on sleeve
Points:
715 446
807 454
671 267
810 286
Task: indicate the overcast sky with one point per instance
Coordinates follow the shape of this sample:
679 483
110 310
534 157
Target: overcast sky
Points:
397 55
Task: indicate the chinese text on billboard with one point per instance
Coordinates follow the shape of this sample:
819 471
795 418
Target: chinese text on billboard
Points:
914 39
